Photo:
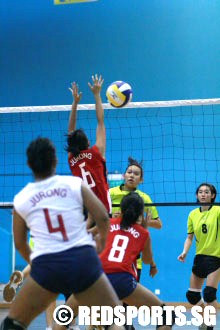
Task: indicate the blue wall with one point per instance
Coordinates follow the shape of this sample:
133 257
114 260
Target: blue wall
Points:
165 50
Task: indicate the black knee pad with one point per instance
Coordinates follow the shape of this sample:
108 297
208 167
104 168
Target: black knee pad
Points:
10 324
209 294
193 297
164 319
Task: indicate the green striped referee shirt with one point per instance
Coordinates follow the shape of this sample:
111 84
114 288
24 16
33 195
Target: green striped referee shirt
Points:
205 225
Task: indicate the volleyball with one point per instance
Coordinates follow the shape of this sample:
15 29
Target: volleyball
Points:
119 93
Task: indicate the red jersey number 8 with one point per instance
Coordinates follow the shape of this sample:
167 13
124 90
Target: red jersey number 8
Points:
118 251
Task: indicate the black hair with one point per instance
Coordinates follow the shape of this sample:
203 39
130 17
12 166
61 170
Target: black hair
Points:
211 187
76 142
41 156
131 162
132 206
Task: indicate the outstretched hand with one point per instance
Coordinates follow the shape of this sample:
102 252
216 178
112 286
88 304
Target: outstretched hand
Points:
97 84
74 89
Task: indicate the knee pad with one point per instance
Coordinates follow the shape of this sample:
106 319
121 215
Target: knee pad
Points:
209 294
194 296
10 324
164 319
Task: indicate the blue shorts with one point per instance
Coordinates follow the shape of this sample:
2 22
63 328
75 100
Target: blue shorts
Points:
123 283
70 271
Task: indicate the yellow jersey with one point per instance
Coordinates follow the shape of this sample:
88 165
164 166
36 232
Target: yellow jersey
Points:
205 225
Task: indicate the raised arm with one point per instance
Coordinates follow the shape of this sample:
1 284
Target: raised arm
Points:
100 130
76 99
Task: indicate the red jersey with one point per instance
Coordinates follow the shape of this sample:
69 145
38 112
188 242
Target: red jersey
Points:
122 248
91 167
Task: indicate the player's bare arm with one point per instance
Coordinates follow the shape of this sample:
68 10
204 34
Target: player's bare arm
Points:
74 89
98 212
187 245
100 130
20 232
154 223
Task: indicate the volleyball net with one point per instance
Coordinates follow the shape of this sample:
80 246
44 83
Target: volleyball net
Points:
177 142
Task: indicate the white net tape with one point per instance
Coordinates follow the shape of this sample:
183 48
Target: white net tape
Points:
153 104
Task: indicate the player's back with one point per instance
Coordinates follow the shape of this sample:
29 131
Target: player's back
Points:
122 247
91 167
53 210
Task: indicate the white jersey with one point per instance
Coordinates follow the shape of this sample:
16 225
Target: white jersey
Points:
53 211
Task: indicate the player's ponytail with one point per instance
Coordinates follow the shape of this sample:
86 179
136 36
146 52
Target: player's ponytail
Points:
132 207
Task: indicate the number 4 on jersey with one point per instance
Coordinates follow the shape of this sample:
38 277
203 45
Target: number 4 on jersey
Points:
52 229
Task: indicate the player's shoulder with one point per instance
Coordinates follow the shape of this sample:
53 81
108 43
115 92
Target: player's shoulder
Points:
141 229
115 190
145 196
69 179
114 221
215 210
24 192
94 149
117 193
195 213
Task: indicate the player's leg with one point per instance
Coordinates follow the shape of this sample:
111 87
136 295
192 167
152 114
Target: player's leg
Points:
100 293
31 300
142 296
210 291
49 315
194 294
